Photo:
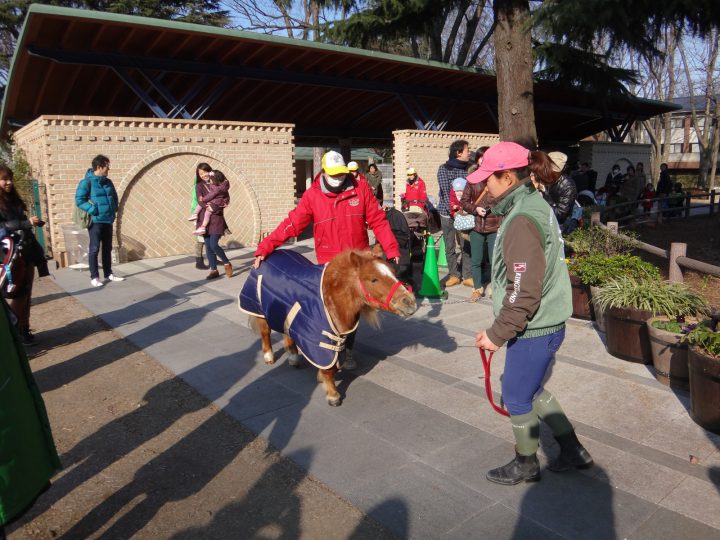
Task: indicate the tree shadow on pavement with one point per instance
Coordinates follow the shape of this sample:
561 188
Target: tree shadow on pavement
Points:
188 466
57 375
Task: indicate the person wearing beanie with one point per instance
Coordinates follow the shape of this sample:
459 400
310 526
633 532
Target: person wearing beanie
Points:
340 206
531 303
562 193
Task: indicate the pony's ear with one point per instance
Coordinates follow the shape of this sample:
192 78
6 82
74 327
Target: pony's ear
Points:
355 259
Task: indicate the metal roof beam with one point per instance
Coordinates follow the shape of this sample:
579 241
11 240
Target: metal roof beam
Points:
139 92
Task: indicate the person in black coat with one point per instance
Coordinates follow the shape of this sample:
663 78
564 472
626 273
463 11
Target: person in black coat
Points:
561 195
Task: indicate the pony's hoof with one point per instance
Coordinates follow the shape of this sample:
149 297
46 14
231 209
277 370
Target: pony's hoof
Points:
269 358
334 402
294 360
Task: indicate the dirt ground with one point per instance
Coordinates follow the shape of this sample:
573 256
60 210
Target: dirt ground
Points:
702 236
146 456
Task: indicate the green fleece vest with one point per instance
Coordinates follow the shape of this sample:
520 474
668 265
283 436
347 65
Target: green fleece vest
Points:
556 304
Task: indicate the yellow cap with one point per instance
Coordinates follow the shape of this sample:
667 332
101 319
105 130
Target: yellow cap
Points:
410 171
333 163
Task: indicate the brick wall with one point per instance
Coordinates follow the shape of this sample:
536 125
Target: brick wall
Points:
153 167
426 151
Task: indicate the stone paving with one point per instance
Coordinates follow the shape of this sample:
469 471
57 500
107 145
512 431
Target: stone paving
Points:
412 441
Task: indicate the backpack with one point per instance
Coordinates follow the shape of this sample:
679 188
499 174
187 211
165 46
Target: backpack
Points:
81 218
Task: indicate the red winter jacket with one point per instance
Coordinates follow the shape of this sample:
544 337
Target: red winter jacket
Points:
340 222
415 193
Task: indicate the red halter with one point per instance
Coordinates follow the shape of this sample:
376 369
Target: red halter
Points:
386 303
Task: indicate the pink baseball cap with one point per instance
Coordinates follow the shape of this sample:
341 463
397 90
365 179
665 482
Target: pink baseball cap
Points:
502 156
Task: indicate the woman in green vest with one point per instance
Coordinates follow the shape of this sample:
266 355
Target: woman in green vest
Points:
529 266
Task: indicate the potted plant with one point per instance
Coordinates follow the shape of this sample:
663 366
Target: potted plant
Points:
594 270
704 367
596 242
629 302
665 332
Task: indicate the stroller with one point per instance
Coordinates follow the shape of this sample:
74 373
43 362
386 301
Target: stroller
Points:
411 228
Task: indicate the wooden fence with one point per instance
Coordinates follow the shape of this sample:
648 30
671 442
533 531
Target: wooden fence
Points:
657 211
675 255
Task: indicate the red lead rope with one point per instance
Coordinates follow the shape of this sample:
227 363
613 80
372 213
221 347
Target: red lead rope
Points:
488 387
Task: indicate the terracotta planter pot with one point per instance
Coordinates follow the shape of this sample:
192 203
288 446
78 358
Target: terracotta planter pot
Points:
627 334
704 389
599 314
580 299
669 355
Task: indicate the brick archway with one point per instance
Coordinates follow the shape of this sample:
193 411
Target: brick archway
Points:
155 198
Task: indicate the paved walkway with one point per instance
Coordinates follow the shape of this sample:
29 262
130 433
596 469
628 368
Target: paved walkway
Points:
415 435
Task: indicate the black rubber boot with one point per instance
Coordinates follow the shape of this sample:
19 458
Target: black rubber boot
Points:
199 264
520 469
572 454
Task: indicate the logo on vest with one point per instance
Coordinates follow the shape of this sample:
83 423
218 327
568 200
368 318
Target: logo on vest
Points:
354 202
519 267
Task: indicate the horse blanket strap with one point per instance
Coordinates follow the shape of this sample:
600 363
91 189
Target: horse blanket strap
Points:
488 387
287 292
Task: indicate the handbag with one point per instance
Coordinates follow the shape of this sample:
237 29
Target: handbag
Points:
81 218
466 222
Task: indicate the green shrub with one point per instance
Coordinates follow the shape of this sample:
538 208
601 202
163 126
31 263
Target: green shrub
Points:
599 241
706 337
659 297
594 270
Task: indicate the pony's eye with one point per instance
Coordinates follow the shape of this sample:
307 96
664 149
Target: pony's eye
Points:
374 280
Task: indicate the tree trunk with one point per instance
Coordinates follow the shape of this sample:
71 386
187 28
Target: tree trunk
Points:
514 68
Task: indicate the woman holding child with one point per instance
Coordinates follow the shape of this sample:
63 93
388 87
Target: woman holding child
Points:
213 197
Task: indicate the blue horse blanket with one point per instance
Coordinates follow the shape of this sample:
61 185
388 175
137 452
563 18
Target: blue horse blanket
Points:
287 292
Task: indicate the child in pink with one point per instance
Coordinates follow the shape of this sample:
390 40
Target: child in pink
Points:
217 198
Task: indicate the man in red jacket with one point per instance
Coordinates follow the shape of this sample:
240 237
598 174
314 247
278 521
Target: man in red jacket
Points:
341 209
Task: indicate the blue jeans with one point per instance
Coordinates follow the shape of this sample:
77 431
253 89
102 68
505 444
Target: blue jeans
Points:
214 251
526 364
100 233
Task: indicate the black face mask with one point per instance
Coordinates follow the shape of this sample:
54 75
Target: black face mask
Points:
411 180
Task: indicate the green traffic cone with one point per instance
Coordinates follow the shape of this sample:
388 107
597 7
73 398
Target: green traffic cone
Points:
442 258
431 279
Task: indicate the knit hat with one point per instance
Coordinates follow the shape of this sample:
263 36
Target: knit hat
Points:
502 156
559 160
459 184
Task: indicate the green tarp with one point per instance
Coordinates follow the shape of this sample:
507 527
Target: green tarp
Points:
27 452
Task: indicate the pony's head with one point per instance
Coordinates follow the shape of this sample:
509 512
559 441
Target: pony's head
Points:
379 287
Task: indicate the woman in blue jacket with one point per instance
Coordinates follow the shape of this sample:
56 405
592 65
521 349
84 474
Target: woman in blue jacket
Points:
96 195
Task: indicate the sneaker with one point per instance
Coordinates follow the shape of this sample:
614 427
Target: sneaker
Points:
213 274
95 282
476 294
199 231
452 281
468 282
113 277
